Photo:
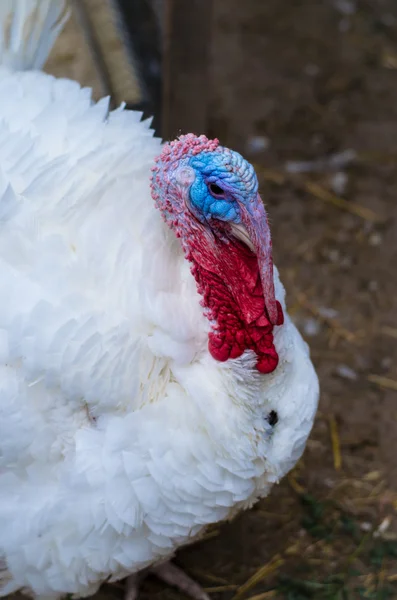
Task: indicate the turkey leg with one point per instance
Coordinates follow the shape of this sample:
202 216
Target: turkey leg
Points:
169 573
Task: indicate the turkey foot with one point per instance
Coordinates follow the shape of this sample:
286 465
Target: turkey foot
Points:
169 573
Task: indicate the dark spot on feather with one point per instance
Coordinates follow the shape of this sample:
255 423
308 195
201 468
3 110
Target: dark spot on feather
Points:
272 418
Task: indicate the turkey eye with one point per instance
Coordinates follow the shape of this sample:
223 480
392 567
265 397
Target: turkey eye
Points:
216 191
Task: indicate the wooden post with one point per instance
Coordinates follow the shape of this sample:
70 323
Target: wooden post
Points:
186 54
140 25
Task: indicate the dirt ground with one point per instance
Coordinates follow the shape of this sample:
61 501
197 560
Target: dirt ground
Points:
303 80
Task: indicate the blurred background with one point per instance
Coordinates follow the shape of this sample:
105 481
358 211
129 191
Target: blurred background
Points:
307 90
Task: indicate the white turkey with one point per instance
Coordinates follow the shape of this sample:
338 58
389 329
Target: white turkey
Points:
151 381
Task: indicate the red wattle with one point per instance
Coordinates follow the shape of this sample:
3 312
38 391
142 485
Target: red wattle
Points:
229 281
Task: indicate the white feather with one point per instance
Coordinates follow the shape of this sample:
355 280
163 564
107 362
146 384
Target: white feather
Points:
28 31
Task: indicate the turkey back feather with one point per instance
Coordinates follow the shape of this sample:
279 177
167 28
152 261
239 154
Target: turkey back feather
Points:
28 30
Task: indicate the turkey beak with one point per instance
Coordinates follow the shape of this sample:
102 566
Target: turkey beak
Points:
255 227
